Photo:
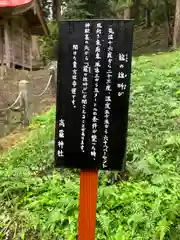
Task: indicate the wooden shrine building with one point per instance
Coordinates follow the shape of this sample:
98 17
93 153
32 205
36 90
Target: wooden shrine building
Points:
19 20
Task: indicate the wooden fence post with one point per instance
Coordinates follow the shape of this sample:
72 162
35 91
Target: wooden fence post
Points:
24 90
2 51
7 46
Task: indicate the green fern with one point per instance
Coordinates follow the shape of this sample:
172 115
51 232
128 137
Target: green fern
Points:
163 228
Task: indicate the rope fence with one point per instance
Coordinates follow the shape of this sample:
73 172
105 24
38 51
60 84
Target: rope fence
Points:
46 88
25 93
12 105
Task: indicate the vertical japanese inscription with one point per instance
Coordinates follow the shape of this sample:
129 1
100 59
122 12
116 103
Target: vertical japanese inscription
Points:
74 75
92 98
60 143
97 67
86 68
108 94
123 59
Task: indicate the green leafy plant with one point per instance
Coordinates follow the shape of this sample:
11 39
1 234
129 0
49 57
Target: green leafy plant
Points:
39 202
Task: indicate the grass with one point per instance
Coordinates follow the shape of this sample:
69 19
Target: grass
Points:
37 202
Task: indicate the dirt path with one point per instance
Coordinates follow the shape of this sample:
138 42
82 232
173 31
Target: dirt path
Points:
17 136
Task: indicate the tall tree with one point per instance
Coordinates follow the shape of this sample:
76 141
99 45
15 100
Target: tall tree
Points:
47 8
72 9
126 9
167 21
56 9
176 37
98 9
76 9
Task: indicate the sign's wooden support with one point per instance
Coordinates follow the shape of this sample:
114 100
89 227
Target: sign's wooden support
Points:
87 204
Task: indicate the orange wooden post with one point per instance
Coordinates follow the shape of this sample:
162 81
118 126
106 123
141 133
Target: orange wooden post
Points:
87 204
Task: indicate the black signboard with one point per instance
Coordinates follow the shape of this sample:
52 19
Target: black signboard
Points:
94 69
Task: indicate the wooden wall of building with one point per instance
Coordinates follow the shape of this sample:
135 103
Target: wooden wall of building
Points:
15 43
2 44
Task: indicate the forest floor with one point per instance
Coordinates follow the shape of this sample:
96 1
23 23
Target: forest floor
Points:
39 203
149 40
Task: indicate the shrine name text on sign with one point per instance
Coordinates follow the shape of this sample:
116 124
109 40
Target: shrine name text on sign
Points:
94 70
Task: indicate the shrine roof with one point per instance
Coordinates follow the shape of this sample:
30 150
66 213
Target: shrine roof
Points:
32 11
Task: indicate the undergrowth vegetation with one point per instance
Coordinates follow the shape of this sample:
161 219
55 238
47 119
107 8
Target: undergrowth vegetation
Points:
38 202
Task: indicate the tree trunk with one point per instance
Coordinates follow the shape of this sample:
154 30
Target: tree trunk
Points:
127 13
57 10
135 10
58 18
168 24
148 17
132 11
54 4
176 37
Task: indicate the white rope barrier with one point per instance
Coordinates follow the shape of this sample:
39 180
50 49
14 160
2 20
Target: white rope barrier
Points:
12 105
51 66
45 88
